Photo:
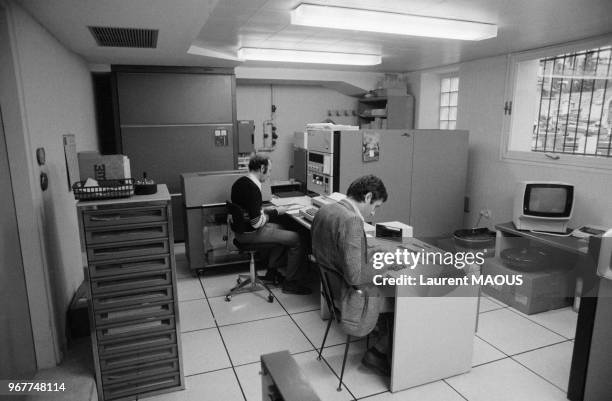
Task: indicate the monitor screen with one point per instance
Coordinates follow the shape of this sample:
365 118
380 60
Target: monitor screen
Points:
548 200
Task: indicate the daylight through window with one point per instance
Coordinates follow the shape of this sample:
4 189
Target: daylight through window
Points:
449 93
574 94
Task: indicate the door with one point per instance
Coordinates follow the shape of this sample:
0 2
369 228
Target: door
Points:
17 358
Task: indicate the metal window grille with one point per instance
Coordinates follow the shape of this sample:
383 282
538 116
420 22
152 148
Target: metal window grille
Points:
449 94
574 107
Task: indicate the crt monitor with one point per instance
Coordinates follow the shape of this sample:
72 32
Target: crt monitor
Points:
543 206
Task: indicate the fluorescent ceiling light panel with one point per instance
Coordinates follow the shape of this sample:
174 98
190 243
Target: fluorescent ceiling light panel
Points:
304 56
388 22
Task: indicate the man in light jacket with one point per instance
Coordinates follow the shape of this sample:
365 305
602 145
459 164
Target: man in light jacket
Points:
339 243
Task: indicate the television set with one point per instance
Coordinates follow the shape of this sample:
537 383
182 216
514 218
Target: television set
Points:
543 206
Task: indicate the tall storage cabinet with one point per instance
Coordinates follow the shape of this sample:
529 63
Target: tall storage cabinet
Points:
176 120
129 260
424 172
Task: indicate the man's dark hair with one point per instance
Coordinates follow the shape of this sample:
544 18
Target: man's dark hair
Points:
256 161
368 183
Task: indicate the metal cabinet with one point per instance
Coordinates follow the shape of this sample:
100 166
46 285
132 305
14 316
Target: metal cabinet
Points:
129 260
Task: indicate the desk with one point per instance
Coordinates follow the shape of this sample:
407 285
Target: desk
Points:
590 370
306 202
569 244
433 336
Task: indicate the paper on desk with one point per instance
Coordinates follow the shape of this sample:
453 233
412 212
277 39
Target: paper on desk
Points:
298 200
337 196
294 206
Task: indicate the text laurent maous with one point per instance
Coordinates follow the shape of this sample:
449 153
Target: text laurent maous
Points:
404 279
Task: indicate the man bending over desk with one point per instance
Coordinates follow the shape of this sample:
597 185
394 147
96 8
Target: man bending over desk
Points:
339 243
246 192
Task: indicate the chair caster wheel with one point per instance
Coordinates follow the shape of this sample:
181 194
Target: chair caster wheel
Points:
270 298
228 298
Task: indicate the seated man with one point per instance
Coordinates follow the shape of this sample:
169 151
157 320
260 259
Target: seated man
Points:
246 192
339 242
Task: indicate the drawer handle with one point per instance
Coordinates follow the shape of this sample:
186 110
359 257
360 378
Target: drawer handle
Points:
112 218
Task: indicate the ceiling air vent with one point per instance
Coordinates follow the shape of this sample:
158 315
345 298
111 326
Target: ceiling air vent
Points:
107 36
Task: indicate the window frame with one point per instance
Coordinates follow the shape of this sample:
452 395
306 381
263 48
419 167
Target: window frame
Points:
448 75
581 162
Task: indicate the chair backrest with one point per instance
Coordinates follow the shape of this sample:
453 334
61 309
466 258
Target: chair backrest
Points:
237 217
327 275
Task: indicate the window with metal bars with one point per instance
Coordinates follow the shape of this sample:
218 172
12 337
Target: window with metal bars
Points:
574 92
449 95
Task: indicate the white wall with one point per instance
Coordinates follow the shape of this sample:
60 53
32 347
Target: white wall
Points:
56 98
296 105
490 180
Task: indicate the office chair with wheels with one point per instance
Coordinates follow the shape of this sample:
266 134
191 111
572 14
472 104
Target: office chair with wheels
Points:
236 221
334 311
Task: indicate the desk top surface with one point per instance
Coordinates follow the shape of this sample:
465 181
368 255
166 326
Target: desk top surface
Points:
568 243
161 195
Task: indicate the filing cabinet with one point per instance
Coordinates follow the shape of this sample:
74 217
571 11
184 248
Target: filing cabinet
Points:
128 253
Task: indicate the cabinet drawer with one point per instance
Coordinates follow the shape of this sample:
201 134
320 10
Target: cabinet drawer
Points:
129 265
132 343
113 217
127 249
142 385
133 312
105 285
137 296
102 235
138 357
139 370
128 330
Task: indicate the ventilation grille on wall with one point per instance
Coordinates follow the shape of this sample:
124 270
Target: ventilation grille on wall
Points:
124 37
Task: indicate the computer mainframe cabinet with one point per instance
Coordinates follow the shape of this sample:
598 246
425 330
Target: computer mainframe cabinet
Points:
128 253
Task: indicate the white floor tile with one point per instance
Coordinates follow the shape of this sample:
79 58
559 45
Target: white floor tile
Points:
203 351
247 341
250 380
488 304
219 285
244 307
360 380
436 391
504 380
212 386
298 303
553 363
189 288
561 321
195 315
314 328
512 333
484 352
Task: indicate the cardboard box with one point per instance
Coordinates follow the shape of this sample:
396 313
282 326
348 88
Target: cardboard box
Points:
541 290
103 167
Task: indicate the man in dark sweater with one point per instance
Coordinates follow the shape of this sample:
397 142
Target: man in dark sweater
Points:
246 192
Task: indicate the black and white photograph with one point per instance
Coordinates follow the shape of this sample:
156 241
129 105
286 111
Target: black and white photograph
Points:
306 200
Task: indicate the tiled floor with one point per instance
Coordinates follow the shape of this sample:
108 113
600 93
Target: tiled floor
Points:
516 357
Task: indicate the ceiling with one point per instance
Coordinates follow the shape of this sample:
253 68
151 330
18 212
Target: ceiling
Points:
217 28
